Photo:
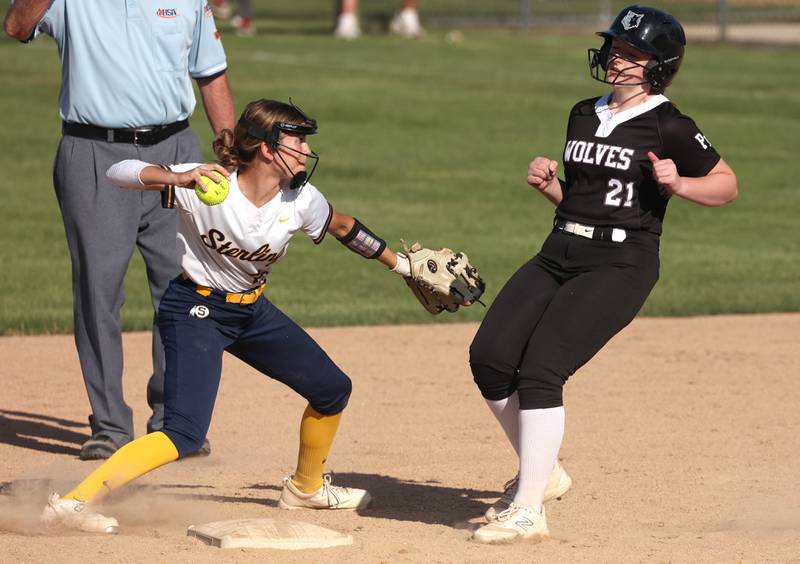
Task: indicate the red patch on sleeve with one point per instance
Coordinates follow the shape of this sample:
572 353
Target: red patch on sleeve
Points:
216 35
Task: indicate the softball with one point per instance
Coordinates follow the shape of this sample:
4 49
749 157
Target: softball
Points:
215 191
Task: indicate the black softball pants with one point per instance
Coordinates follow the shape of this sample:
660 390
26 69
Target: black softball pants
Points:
557 311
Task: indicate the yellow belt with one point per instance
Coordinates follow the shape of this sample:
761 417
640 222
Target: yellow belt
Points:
243 298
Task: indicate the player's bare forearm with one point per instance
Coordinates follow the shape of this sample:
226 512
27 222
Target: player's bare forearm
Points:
155 178
717 188
217 101
553 192
388 257
151 177
22 17
139 175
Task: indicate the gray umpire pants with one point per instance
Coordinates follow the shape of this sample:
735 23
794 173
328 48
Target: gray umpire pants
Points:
103 225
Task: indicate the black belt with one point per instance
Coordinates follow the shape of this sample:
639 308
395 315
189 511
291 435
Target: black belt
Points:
590 231
138 136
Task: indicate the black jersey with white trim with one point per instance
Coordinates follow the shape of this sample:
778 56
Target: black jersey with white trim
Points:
609 178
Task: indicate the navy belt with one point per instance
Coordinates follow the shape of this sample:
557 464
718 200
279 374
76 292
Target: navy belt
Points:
136 136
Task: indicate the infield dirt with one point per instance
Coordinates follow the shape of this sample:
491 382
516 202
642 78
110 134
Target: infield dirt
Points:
682 439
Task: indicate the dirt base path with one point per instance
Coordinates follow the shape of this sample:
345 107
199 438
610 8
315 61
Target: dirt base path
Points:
682 438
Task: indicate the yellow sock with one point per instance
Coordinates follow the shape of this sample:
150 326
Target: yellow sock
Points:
316 437
131 461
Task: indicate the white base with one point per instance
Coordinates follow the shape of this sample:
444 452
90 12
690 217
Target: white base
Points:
268 533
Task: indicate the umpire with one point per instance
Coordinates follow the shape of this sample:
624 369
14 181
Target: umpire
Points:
125 93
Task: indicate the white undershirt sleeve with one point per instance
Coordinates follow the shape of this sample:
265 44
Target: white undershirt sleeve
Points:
126 173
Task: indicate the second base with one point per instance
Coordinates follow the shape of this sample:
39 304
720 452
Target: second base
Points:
268 533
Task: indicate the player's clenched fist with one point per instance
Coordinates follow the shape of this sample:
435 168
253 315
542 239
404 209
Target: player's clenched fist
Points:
541 173
666 173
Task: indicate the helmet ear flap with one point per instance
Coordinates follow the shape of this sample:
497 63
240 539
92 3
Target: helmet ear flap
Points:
658 75
653 73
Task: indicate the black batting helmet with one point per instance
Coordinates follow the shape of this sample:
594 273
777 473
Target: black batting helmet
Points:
646 29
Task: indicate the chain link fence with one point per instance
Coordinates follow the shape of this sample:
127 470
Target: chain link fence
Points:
549 12
711 19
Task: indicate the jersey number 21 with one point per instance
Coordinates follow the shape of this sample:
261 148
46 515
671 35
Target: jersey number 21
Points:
613 197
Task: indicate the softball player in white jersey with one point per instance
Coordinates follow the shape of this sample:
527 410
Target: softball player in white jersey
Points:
217 305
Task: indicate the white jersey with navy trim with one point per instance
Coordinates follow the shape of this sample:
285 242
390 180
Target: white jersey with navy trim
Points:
233 245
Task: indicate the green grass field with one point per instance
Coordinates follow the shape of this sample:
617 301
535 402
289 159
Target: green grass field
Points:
430 140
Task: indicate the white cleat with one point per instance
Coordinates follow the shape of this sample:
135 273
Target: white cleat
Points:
559 484
347 27
327 497
406 24
76 515
515 523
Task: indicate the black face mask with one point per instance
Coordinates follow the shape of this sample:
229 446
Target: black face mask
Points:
272 138
602 59
301 178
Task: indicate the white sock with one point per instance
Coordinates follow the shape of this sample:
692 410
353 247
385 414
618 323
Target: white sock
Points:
506 411
347 27
411 15
540 434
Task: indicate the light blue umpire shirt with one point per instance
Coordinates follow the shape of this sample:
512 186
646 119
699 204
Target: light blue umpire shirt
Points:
128 63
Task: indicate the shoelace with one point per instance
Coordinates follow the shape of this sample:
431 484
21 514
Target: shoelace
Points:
506 513
328 488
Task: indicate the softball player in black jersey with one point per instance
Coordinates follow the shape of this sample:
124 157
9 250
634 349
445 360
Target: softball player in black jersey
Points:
626 154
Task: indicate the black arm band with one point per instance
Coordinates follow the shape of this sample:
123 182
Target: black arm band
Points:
167 193
363 241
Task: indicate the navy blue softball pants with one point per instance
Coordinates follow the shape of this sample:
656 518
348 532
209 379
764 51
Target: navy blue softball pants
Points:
196 330
557 311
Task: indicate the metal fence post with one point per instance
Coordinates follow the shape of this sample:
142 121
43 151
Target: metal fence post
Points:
525 13
722 19
605 12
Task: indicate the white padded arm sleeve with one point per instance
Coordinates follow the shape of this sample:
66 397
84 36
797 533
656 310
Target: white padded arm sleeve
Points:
126 173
